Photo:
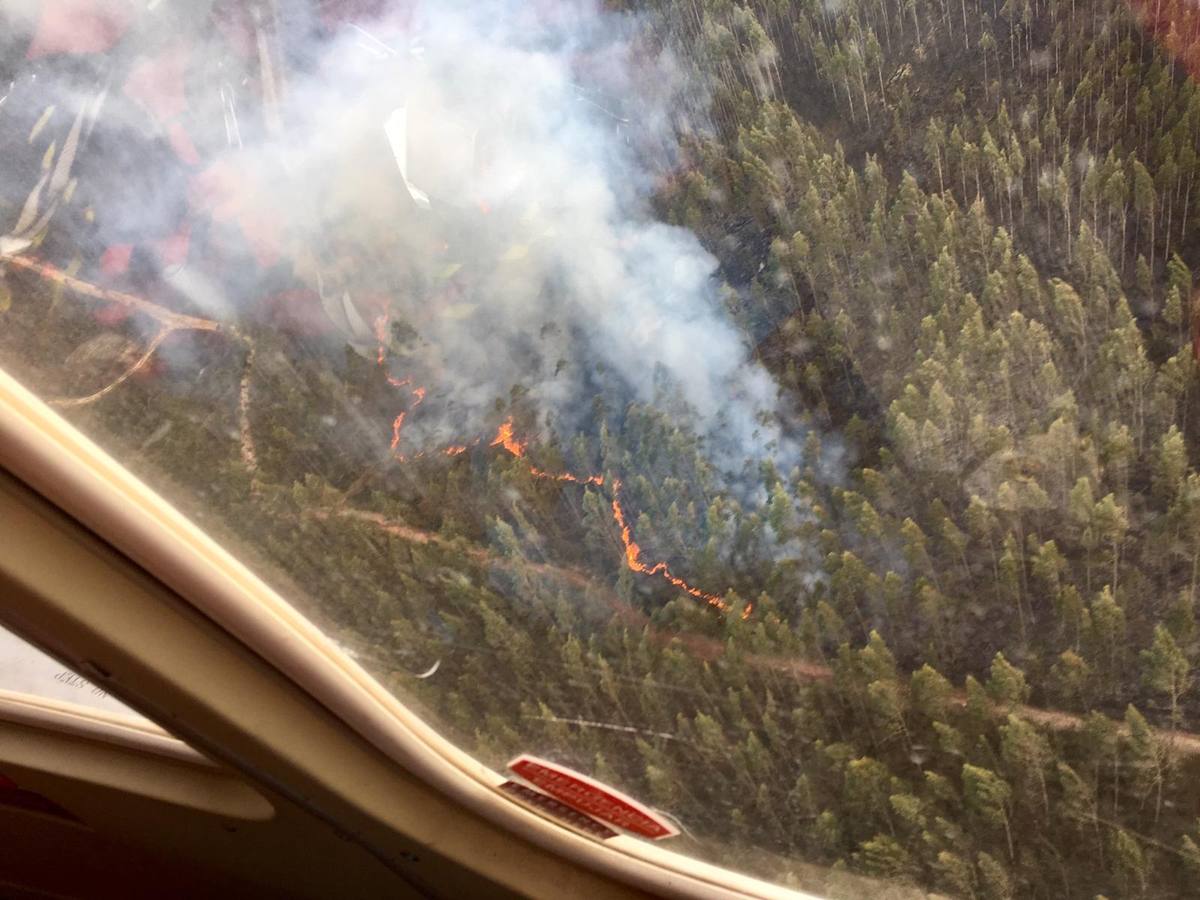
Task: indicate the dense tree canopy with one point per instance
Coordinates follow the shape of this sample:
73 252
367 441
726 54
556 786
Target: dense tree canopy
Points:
952 642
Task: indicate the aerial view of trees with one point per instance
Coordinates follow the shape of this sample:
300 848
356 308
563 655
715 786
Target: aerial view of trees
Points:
944 635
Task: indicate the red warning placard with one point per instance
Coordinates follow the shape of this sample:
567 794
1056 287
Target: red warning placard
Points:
523 793
591 797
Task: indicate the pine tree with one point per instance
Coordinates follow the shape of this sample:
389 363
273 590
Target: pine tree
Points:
989 796
1129 862
886 857
1149 758
1006 683
1026 756
994 880
931 693
1165 669
1108 635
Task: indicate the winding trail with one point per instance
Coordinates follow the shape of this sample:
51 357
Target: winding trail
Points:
1184 743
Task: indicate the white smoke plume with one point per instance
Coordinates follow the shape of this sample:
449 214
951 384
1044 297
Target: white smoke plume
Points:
479 175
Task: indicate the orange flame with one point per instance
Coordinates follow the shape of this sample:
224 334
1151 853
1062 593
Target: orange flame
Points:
597 480
504 438
381 336
507 439
633 559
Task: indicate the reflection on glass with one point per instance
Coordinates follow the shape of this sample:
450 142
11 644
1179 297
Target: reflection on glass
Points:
782 412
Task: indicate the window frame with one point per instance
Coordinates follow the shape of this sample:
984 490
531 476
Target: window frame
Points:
96 495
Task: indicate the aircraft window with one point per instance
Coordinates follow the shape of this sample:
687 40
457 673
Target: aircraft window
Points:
784 414
27 671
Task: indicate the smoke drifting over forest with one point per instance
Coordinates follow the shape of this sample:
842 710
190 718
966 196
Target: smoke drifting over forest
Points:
518 247
534 135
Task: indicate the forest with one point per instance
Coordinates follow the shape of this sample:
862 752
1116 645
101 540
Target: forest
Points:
946 647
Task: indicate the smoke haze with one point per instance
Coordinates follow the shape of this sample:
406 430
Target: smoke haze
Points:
477 177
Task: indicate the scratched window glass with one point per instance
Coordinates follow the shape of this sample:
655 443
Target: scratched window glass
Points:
782 413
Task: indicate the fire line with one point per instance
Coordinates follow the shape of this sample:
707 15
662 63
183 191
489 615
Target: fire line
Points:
507 440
